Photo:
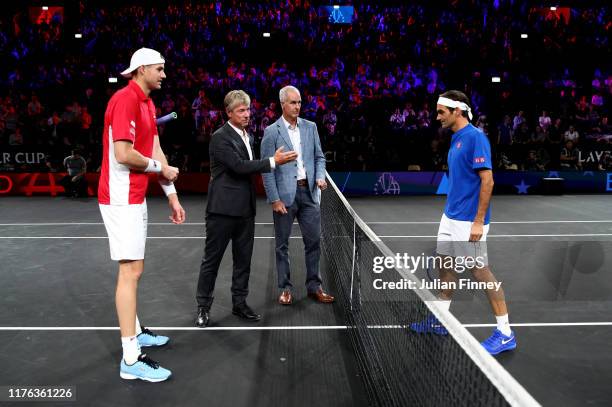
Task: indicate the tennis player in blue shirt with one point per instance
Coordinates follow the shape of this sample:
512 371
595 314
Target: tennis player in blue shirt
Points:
465 222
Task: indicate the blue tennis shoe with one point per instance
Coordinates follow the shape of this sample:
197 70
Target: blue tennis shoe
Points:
147 338
498 342
429 325
145 369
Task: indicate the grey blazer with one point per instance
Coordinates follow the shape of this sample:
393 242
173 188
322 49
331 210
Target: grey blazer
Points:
281 183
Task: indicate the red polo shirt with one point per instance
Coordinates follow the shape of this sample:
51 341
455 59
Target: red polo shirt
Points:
130 116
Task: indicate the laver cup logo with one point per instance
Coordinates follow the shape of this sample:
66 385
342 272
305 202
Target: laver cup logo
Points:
387 185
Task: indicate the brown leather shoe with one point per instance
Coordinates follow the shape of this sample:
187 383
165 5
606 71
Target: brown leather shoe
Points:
320 296
285 298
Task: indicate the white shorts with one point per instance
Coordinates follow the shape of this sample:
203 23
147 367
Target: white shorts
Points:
126 226
454 236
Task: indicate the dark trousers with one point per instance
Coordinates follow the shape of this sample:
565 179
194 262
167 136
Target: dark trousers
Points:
220 229
74 188
308 214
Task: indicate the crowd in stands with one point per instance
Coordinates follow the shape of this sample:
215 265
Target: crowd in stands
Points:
371 86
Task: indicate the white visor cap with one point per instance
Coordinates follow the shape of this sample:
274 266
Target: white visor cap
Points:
144 56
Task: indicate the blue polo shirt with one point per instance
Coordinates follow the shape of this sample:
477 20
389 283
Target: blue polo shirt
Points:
469 152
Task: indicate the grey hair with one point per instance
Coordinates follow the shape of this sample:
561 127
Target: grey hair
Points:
282 95
235 98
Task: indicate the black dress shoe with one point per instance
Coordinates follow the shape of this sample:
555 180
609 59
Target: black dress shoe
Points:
245 312
203 317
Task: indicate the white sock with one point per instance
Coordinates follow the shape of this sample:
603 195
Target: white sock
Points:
503 325
131 349
138 328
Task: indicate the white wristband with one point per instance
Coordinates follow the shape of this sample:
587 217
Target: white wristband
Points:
154 166
168 188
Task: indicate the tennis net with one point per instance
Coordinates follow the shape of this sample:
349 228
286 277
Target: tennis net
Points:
399 367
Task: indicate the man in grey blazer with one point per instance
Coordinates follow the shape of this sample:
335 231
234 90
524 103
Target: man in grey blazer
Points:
293 190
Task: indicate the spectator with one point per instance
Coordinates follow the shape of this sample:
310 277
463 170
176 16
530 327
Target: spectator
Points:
86 121
396 120
522 135
199 107
34 107
571 135
603 127
410 116
544 121
11 118
481 123
330 121
539 136
75 183
53 123
168 104
506 164
570 156
3 139
555 133
536 160
605 163
437 159
16 139
518 120
504 132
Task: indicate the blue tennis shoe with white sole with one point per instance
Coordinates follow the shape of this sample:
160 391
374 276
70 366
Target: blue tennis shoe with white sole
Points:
147 339
498 342
145 369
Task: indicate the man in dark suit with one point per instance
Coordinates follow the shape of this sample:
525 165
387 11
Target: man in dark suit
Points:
230 213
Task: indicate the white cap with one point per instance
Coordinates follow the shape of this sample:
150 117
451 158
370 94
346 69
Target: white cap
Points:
144 56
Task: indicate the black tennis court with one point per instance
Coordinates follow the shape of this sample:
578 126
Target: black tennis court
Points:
58 324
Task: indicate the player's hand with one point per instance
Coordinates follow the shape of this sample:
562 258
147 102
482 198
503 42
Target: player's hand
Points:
281 158
170 173
476 232
279 207
322 184
177 213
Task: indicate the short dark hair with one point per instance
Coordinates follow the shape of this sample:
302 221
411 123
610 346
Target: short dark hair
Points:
459 97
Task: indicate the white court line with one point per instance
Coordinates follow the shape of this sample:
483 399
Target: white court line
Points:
299 237
285 328
106 237
295 223
102 224
175 328
488 236
53 224
494 223
542 324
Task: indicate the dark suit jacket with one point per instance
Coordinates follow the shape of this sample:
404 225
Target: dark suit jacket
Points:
231 191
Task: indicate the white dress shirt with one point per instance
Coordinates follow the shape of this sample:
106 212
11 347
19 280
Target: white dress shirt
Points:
294 135
245 139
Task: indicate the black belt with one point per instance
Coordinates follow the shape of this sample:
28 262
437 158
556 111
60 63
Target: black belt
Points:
302 182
